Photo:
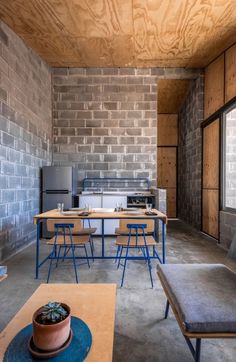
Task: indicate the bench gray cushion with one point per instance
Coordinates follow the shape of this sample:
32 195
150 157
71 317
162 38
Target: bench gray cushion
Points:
204 295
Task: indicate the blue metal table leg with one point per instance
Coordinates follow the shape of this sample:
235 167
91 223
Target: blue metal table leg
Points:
163 242
37 250
103 239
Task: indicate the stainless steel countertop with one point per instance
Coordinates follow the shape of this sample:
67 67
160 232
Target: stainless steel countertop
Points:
118 193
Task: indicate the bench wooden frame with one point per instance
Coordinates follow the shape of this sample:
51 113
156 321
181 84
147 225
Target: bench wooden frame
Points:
196 352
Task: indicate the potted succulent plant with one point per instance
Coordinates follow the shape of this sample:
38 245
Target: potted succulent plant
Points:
51 326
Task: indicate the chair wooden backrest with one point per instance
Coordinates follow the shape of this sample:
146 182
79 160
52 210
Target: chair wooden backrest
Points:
124 229
76 222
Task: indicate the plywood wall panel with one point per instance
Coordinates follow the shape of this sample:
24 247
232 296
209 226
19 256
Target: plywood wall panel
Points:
210 212
166 167
214 86
171 202
230 73
167 130
211 155
171 94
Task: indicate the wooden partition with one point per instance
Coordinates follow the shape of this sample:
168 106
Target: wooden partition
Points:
230 73
167 140
214 86
210 192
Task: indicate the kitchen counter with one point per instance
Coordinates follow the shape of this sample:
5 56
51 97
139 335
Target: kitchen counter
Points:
118 193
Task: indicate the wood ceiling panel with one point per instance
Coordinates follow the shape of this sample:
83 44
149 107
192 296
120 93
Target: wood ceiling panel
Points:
125 33
171 94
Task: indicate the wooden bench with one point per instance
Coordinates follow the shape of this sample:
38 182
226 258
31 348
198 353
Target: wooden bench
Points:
203 300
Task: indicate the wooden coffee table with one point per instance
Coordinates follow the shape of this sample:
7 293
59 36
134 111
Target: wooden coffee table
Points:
93 303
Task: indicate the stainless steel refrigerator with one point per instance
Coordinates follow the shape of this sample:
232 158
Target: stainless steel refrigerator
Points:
59 184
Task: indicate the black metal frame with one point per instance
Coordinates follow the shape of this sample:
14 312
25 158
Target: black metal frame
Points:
223 156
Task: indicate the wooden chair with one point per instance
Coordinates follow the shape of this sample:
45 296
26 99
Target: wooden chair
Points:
77 230
136 239
64 239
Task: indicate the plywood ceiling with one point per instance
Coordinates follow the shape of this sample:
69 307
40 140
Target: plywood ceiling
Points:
171 94
123 33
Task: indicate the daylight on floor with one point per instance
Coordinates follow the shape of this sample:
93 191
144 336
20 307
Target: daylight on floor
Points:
118 180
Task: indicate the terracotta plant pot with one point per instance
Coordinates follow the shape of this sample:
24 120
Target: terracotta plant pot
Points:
50 337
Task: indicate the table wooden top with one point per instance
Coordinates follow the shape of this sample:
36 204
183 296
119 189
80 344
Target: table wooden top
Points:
93 303
54 214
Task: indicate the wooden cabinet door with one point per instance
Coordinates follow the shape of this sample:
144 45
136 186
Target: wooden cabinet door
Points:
210 193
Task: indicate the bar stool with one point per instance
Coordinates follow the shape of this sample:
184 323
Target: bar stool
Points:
64 239
137 239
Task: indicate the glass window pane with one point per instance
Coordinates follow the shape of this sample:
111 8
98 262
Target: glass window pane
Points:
230 159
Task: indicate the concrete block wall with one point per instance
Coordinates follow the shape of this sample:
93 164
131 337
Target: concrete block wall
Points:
25 138
190 155
105 119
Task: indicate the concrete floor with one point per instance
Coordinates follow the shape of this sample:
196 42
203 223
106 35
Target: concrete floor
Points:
141 334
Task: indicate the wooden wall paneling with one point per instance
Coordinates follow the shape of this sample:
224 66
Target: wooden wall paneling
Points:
171 94
171 202
166 167
214 86
211 155
210 212
230 73
167 130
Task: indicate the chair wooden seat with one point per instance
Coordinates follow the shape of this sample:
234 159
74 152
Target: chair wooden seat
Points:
77 240
122 240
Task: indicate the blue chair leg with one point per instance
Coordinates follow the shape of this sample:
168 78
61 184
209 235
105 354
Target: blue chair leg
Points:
149 265
123 274
74 262
117 253
50 265
92 243
91 248
58 256
121 250
86 254
145 257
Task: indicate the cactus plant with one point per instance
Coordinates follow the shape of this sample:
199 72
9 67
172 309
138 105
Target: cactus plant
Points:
51 313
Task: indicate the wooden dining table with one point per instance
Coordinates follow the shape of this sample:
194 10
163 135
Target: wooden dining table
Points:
95 215
93 303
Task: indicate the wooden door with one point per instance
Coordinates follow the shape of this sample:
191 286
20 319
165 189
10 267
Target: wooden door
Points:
210 193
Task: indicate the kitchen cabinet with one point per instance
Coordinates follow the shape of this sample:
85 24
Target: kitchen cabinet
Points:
106 201
111 201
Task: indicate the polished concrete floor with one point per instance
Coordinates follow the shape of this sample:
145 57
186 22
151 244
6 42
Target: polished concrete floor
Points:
141 334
